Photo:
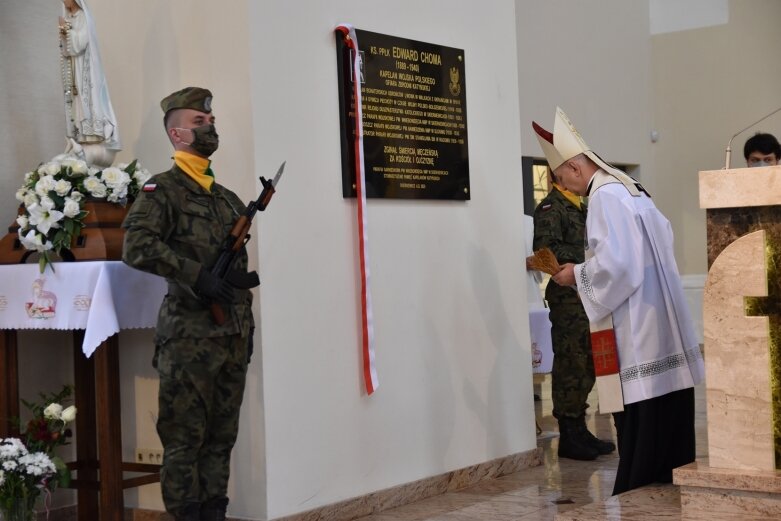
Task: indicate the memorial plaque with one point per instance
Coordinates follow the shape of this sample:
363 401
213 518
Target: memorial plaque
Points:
414 118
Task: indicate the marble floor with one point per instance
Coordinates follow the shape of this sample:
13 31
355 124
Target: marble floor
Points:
557 487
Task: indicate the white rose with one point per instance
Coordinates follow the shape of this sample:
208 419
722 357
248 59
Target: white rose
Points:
94 186
142 175
67 161
71 208
114 177
47 204
28 175
44 185
118 194
22 221
20 194
79 167
62 187
49 169
76 196
69 414
30 199
93 170
53 411
99 191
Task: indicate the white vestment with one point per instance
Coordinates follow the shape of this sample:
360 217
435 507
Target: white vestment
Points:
633 275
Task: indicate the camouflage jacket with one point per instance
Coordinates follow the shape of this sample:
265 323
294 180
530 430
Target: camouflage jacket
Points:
561 226
173 228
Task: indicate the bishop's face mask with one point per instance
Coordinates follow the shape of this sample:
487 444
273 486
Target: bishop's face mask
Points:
205 139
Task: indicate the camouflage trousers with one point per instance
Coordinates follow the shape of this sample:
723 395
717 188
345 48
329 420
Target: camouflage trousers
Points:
201 389
572 376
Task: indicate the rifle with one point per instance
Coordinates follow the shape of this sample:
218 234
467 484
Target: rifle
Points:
236 240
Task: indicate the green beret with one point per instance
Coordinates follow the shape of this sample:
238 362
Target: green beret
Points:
194 98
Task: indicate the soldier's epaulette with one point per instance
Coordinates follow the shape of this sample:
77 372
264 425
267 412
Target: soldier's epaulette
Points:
545 207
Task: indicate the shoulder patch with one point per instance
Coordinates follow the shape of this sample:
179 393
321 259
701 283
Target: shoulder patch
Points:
545 207
149 187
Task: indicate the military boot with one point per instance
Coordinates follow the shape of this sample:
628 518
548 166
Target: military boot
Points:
214 509
602 446
572 445
190 512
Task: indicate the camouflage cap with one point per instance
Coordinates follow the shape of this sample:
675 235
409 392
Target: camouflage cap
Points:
194 98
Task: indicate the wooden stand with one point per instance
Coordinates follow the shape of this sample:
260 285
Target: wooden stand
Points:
99 466
100 239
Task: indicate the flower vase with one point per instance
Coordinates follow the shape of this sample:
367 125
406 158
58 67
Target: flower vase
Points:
20 510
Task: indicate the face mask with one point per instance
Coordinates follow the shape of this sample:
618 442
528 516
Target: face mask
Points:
205 139
760 163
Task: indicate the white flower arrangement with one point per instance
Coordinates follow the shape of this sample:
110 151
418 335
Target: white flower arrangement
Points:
53 196
23 474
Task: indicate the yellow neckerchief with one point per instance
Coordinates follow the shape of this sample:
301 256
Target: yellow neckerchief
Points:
571 196
196 167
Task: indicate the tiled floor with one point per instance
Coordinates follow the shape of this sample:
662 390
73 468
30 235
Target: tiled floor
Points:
558 486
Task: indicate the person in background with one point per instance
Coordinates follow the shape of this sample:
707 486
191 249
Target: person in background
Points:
762 150
560 225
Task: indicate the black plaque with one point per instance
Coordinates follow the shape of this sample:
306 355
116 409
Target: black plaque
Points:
414 118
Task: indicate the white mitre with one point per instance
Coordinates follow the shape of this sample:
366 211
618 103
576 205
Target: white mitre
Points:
565 143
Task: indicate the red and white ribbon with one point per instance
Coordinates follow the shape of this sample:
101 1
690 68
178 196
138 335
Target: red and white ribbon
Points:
369 369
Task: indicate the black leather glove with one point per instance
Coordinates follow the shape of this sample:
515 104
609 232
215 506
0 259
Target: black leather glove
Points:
213 287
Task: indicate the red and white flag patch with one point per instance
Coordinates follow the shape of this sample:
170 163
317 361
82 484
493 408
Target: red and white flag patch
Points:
149 187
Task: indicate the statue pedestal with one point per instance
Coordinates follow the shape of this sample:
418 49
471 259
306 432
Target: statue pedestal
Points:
100 239
742 321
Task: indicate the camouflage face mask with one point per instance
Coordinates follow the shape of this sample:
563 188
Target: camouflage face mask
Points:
205 140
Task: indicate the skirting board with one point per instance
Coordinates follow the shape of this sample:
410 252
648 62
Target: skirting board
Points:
370 503
393 497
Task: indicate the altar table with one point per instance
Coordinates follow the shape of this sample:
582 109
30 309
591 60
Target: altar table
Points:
95 300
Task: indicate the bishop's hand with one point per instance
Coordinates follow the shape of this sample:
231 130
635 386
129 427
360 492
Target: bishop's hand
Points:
566 276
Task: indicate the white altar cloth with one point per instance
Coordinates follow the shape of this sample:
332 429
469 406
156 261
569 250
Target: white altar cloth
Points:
542 347
100 297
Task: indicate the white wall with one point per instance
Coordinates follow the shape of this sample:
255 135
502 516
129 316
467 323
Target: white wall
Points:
592 59
707 84
449 297
680 15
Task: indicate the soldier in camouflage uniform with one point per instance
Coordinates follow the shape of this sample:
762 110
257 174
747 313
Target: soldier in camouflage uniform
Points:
175 229
560 224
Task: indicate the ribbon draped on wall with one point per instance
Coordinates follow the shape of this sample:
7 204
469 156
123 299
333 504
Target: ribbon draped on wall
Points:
367 320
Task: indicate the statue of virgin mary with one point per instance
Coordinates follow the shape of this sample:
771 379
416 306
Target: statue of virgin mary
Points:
91 126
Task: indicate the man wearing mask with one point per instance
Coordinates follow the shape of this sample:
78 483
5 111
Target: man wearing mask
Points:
762 150
560 225
175 229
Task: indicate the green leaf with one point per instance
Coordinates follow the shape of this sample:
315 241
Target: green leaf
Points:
131 168
59 201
